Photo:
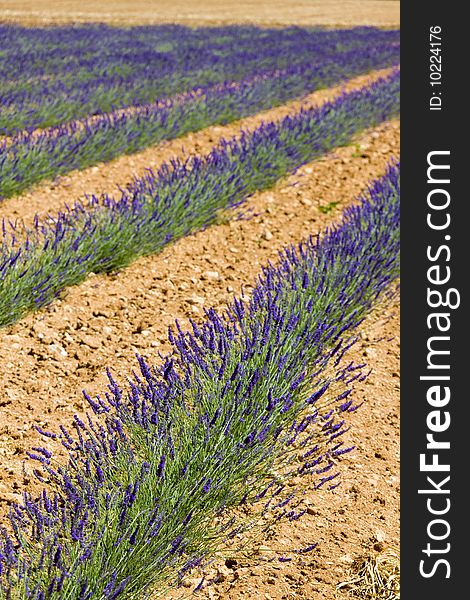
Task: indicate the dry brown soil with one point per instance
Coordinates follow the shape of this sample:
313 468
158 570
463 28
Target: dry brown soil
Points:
210 12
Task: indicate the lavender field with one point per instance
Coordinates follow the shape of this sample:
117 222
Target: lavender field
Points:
182 443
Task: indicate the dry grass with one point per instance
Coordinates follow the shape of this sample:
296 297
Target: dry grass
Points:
375 577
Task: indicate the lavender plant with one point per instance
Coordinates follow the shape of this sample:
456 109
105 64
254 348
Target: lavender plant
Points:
28 158
109 68
176 201
235 411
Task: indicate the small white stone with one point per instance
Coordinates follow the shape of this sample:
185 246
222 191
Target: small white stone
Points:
57 349
380 536
211 275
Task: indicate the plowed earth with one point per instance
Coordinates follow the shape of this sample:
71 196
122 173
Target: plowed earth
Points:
50 356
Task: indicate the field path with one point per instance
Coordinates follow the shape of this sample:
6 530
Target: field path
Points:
50 197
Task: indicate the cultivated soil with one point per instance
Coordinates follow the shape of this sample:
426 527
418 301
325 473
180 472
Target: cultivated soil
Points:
385 13
50 356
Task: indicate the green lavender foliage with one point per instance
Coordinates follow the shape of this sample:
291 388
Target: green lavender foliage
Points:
52 75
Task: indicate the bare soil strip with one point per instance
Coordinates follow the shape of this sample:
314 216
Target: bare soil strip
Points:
50 197
50 356
210 12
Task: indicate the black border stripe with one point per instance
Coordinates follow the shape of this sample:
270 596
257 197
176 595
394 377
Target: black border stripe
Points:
423 131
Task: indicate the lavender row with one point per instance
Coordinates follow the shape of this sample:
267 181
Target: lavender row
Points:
181 198
95 48
244 403
29 158
117 68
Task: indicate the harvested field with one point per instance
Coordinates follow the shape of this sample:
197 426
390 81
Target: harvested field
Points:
385 13
50 355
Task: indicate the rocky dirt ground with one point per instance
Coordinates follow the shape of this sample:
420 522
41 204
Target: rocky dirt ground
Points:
50 356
